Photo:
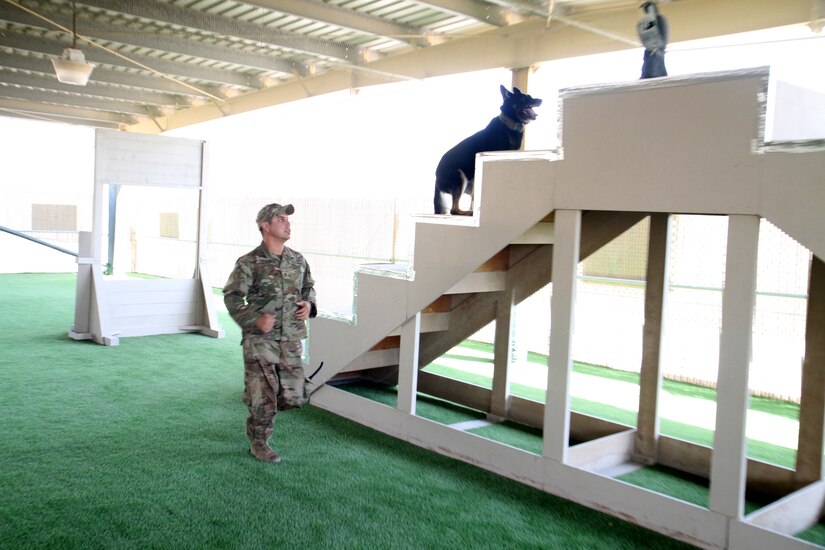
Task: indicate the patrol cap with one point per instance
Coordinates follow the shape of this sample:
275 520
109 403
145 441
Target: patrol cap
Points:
270 210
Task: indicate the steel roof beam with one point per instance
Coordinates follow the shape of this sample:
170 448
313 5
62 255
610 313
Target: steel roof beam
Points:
226 26
50 82
86 102
129 37
480 11
26 106
53 48
341 17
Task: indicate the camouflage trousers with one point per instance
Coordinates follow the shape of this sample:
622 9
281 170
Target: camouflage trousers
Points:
273 381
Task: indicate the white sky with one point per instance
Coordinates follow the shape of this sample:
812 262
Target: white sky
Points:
385 141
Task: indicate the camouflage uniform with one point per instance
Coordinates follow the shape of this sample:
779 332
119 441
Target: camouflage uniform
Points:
263 282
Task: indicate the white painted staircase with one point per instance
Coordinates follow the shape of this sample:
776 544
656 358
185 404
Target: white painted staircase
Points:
683 145
448 249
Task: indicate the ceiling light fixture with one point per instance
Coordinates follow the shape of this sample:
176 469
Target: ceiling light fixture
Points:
72 67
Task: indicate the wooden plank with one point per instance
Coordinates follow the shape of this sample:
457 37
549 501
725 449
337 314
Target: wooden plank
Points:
134 332
373 360
430 322
499 262
502 353
121 325
728 463
390 342
441 304
408 364
650 383
744 536
139 297
541 233
794 513
812 403
603 453
150 285
472 396
487 281
121 311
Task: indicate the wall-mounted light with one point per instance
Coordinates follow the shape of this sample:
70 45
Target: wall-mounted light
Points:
72 67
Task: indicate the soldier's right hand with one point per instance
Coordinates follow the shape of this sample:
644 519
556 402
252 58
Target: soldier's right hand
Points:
265 322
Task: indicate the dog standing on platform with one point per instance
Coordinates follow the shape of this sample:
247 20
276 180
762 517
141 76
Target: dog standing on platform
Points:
456 170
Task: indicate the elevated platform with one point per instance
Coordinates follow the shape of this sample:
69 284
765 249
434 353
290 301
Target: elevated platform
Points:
652 148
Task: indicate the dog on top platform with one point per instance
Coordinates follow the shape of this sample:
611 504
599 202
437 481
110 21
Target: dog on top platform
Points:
456 170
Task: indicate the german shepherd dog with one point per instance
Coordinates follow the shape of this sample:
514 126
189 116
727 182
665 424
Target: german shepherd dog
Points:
456 170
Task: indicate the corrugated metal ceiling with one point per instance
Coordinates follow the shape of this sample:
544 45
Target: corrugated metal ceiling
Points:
156 59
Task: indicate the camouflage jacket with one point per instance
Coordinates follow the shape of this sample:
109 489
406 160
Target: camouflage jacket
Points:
263 282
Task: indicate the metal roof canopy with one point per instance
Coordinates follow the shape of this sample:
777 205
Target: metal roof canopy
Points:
164 64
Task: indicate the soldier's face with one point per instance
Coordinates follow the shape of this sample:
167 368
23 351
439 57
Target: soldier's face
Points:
278 227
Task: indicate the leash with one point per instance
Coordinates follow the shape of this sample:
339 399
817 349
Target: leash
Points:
316 370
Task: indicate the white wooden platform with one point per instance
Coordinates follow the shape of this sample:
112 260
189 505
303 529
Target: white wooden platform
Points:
663 146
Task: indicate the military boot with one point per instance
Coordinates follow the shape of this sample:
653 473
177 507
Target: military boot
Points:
262 451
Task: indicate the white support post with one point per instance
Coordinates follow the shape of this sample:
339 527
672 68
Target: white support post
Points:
209 318
560 361
502 357
729 462
408 364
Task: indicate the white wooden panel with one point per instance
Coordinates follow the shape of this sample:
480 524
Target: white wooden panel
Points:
681 144
793 189
793 513
147 309
136 159
137 295
150 285
154 330
179 319
749 537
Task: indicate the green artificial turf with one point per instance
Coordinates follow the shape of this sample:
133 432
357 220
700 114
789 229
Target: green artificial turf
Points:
142 446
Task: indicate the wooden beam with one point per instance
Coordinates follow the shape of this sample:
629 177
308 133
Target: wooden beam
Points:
502 352
650 382
560 361
812 402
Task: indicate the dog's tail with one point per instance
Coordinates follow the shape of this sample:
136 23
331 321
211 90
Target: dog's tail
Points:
438 201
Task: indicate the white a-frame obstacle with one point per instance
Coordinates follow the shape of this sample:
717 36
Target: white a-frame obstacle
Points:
107 309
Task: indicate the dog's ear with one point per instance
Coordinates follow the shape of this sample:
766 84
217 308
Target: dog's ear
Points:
516 91
505 93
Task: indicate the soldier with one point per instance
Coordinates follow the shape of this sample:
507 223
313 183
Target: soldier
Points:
270 294
653 32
